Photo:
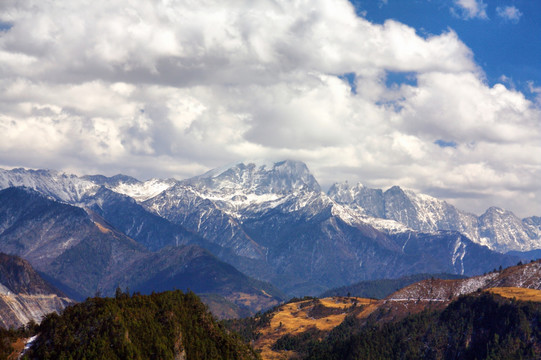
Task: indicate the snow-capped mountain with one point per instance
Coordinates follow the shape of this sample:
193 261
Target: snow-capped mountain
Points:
282 177
277 224
60 186
498 229
141 190
273 222
502 231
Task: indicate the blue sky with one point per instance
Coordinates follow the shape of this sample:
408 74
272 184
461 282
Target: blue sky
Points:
501 46
441 97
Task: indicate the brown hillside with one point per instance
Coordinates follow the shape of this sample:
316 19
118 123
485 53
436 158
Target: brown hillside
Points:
316 314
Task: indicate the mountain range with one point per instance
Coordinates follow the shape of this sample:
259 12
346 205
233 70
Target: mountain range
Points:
83 255
271 221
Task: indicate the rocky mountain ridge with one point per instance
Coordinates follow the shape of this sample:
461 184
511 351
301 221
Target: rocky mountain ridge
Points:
498 229
24 295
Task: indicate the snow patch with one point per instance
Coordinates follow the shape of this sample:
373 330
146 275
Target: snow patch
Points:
144 190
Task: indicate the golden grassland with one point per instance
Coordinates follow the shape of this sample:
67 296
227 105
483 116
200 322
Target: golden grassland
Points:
517 293
294 319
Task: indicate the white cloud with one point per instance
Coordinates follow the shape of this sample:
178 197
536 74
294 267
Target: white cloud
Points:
174 88
536 90
509 13
470 9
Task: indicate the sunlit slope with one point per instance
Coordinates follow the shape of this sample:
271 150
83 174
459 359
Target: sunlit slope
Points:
321 315
521 294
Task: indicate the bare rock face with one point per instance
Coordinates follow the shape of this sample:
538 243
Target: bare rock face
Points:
24 295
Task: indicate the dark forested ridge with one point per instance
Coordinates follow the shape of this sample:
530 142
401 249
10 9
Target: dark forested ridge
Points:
169 325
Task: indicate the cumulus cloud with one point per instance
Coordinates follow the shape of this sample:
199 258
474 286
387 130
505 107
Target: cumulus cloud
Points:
167 88
509 13
470 9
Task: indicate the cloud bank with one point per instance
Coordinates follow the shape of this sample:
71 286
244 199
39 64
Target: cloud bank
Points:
173 88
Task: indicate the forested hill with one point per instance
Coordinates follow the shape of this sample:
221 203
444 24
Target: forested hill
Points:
476 326
169 325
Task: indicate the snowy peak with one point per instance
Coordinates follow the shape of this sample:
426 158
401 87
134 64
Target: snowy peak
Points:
60 186
127 185
111 181
282 178
253 187
371 200
142 191
498 229
508 232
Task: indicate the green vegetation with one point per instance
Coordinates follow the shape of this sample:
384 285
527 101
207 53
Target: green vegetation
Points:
248 328
167 325
300 343
480 326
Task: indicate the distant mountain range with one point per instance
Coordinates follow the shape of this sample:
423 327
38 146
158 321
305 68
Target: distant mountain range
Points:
270 221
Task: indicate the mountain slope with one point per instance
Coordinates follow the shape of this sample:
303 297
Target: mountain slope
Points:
24 295
523 276
63 187
437 294
62 241
82 254
193 268
378 289
319 327
129 217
